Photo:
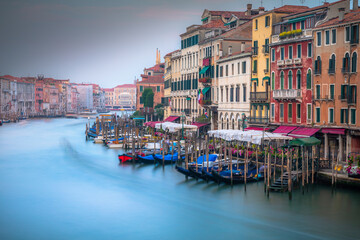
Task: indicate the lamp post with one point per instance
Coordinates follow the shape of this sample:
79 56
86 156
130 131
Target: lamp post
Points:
182 129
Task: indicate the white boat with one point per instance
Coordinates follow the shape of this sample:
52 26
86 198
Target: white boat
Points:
115 145
99 139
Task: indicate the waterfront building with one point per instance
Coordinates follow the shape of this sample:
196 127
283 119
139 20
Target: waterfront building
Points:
75 105
234 89
109 97
85 96
262 30
292 65
168 75
336 81
124 96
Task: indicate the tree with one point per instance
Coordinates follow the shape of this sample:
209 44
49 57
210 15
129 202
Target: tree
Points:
159 109
148 97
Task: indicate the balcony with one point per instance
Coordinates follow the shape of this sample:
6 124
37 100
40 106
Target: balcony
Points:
287 94
205 80
258 120
291 36
266 49
280 63
288 61
255 50
354 40
297 61
259 96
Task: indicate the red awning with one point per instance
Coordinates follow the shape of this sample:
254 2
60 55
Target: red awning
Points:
284 129
171 118
256 128
199 125
152 124
304 132
338 131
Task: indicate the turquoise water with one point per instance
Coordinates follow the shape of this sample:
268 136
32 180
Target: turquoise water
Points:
56 185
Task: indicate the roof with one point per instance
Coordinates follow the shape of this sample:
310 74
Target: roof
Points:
325 5
284 9
228 14
170 53
352 16
151 79
108 89
310 141
218 23
242 32
156 68
126 86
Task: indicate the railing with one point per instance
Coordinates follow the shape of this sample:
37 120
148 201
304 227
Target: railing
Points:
288 61
354 41
255 50
297 61
282 94
258 120
258 96
291 36
345 70
205 80
280 62
266 48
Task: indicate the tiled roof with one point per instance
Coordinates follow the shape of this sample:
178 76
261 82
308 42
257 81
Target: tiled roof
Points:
228 14
352 16
325 5
242 32
108 89
156 68
9 77
285 9
170 53
151 79
218 23
126 86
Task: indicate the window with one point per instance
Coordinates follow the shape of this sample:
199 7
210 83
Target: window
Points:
141 100
267 65
244 93
308 115
282 80
267 21
298 51
243 67
308 79
317 110
227 70
344 117
281 110
290 52
346 63
352 116
289 111
255 48
344 91
231 94
238 67
266 46
158 88
302 24
327 37
298 79
255 66
347 34
237 93
272 110
221 71
333 36
273 81
317 90
141 88
273 54
222 95
318 65
256 24
294 26
309 50
232 69
298 110
230 50
318 39
354 35
332 91
290 80
354 62
332 64
331 115
282 53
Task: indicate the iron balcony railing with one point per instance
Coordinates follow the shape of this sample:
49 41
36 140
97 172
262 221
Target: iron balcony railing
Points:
283 94
259 96
258 120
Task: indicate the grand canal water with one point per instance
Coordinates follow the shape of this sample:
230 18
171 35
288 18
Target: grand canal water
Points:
56 185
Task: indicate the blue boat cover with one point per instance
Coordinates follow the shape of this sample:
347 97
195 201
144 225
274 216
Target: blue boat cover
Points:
149 157
168 157
212 158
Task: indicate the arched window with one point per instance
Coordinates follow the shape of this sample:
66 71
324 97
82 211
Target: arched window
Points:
273 81
298 79
290 79
282 80
346 63
354 62
332 64
308 79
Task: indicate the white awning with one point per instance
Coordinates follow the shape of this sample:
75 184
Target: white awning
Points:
174 127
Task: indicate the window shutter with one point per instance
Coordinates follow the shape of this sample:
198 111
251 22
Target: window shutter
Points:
342 116
346 115
342 92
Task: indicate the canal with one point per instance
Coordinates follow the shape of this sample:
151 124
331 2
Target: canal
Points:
56 185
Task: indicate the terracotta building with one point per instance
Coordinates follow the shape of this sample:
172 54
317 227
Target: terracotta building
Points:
336 82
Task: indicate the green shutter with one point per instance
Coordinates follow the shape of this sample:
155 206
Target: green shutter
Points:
317 115
298 110
353 116
342 115
331 91
289 110
331 113
308 80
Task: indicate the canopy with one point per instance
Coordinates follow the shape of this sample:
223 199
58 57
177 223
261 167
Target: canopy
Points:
205 90
171 118
340 131
256 129
151 124
299 19
311 141
199 125
285 129
304 132
251 136
203 71
174 127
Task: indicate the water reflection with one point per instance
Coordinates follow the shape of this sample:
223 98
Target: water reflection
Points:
56 185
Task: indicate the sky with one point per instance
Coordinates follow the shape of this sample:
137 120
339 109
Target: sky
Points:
108 42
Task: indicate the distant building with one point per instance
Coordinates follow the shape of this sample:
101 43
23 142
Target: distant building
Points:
86 100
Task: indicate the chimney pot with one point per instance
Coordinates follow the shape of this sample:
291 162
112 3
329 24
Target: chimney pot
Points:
341 14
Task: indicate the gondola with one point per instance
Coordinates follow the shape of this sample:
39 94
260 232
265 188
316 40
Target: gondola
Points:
168 159
238 176
184 171
148 159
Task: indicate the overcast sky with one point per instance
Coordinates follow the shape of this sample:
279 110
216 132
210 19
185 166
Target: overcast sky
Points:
108 42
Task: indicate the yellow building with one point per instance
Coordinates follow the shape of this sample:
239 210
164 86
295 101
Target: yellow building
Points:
262 29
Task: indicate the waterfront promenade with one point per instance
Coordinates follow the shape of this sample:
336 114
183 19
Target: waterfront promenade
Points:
56 185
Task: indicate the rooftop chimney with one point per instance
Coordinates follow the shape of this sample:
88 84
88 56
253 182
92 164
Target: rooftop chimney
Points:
261 10
355 5
249 7
341 14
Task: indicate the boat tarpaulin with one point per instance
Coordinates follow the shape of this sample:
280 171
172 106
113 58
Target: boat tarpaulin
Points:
171 118
338 131
310 141
302 132
285 129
